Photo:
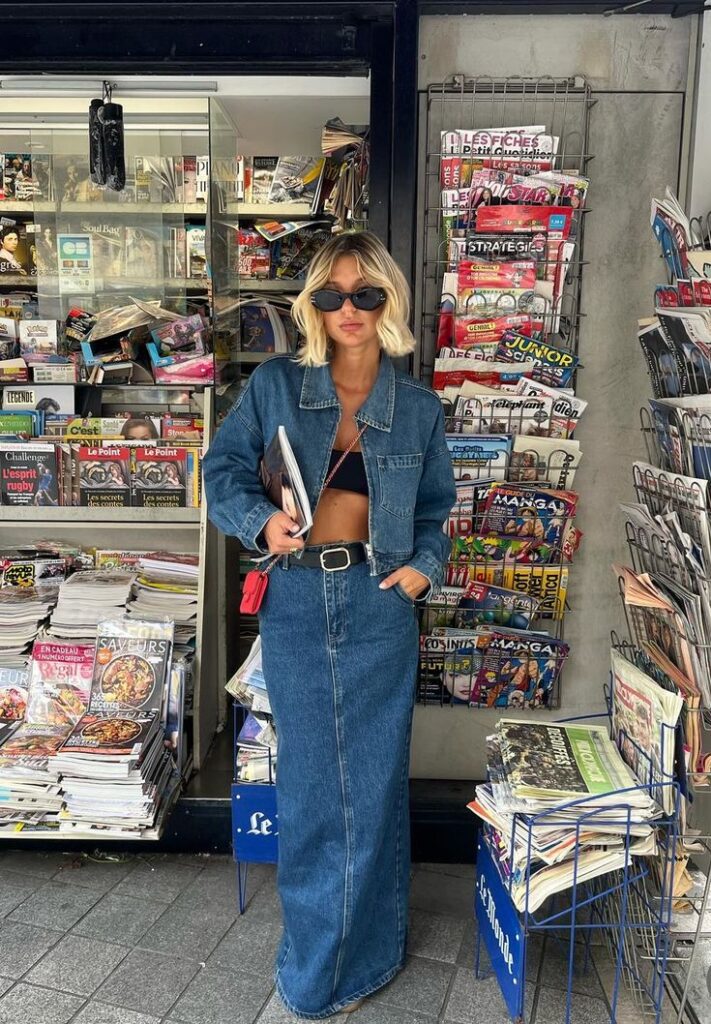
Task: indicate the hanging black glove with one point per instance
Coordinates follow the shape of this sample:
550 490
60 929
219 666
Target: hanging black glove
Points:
110 118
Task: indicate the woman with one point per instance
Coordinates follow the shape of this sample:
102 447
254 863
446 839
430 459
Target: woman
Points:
338 624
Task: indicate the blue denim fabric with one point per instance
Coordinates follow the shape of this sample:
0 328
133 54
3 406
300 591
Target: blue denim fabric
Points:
340 660
409 471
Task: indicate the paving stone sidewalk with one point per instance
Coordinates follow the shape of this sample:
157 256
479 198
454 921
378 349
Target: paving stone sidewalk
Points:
157 939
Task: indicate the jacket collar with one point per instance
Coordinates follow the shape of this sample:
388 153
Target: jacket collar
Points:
318 392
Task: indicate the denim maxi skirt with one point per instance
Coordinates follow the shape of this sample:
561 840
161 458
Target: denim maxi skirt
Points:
340 662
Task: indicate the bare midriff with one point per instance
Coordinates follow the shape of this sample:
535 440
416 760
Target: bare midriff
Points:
340 515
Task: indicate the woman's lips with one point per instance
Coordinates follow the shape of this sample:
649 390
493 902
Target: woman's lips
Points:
351 327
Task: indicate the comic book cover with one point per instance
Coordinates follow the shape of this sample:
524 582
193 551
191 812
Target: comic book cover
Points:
104 476
159 479
468 508
492 547
514 509
553 366
518 670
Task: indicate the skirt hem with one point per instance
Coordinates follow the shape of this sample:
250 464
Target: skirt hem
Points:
335 1008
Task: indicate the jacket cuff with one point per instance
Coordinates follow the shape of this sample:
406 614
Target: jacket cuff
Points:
432 569
255 523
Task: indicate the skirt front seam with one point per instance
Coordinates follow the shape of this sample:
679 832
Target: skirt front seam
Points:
344 781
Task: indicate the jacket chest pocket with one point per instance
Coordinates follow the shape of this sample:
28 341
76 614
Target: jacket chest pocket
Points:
399 478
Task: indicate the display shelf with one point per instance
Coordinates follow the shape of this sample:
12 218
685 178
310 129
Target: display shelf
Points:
272 211
260 284
75 515
153 209
256 357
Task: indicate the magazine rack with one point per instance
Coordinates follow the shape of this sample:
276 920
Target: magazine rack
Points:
628 908
462 102
255 828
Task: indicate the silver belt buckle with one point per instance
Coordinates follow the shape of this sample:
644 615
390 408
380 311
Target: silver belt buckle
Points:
335 568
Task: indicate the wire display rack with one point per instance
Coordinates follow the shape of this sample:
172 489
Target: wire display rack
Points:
460 103
628 909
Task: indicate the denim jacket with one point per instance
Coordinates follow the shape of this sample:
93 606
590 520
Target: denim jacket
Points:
407 464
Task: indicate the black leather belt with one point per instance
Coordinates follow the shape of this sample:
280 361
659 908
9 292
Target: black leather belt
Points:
329 557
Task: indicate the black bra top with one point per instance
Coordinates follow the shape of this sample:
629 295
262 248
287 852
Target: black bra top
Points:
351 473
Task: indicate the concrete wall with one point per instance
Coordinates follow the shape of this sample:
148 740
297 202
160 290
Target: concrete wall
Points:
638 69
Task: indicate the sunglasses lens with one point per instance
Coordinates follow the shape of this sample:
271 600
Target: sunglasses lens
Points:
369 298
327 300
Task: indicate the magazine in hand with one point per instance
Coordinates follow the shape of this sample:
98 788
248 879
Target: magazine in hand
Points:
283 483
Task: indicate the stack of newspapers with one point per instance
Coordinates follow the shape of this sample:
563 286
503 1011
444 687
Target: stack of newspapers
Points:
255 756
562 808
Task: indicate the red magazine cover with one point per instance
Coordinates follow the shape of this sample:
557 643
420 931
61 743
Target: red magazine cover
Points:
528 218
486 289
471 331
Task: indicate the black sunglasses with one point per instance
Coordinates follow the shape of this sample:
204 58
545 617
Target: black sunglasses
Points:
328 300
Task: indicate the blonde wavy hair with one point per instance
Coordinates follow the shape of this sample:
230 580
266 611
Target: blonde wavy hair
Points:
378 269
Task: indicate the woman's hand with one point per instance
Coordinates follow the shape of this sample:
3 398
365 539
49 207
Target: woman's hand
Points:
278 535
410 580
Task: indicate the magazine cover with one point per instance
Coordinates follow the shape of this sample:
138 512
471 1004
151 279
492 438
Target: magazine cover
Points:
122 732
263 171
468 508
60 682
494 548
297 179
47 398
18 182
524 512
504 414
474 331
566 409
131 666
479 457
159 478
547 584
20 571
14 681
28 474
283 483
553 366
506 248
104 476
517 670
35 740
17 250
488 289
644 721
195 249
483 604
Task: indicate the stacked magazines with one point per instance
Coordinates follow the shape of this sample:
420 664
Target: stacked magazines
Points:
93 753
562 807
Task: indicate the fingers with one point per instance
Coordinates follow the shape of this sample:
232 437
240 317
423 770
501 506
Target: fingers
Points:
279 535
393 578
